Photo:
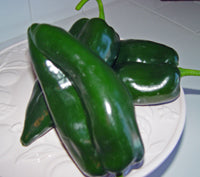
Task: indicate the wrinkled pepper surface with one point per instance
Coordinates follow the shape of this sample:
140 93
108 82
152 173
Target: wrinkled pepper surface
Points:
119 144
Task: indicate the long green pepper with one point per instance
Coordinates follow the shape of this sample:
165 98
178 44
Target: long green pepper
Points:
97 35
119 144
68 114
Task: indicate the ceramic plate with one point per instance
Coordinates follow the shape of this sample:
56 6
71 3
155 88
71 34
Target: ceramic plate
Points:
161 126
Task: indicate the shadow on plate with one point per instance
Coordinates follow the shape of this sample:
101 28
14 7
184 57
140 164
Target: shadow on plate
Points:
189 91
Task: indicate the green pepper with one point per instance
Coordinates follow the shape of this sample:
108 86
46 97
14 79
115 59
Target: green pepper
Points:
148 78
99 37
77 27
119 144
68 114
38 120
144 51
151 84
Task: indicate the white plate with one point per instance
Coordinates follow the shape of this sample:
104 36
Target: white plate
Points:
161 127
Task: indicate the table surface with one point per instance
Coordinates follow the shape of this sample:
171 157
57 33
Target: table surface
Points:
175 24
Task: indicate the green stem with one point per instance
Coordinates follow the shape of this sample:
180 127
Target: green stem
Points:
100 5
81 4
189 72
101 9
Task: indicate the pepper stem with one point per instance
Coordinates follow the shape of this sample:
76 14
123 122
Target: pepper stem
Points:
100 5
189 72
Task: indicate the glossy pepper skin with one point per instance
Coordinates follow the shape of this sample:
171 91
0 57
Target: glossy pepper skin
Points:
119 144
144 51
97 35
101 39
38 119
68 114
150 83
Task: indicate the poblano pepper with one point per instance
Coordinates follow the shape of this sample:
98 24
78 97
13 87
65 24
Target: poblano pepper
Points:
153 83
38 119
144 51
119 144
101 39
77 27
150 83
68 114
153 76
97 35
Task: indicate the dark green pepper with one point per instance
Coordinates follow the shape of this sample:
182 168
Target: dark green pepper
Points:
77 27
119 144
144 51
99 37
148 78
153 83
68 114
38 120
150 83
